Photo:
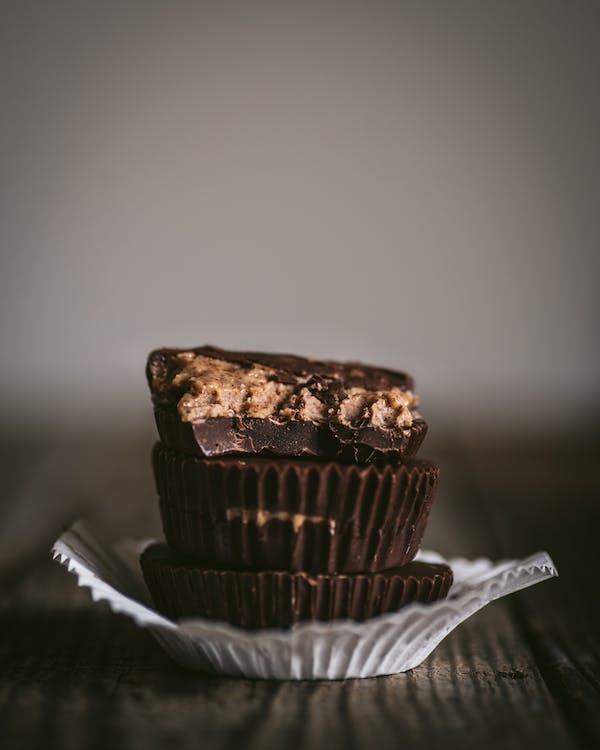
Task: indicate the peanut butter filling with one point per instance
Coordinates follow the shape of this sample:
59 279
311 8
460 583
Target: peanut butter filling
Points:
263 516
218 388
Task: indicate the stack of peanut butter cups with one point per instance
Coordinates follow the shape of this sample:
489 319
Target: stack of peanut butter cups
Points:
288 489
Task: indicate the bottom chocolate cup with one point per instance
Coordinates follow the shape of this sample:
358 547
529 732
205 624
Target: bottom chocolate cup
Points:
267 599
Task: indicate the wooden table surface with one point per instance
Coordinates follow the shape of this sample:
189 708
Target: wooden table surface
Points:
524 672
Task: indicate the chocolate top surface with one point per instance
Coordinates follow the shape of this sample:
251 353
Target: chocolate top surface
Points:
207 382
160 554
264 464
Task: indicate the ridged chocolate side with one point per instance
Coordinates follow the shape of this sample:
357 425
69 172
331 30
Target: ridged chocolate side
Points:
280 599
342 517
251 436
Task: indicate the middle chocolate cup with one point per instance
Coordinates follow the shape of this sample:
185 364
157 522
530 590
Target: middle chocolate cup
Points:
255 513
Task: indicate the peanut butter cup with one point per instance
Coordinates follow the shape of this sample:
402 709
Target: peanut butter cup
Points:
273 513
279 599
288 489
213 402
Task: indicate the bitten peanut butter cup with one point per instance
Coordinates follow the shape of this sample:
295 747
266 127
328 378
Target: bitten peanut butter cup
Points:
284 514
212 402
279 599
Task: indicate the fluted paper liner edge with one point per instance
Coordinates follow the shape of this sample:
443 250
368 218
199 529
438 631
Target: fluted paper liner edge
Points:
382 645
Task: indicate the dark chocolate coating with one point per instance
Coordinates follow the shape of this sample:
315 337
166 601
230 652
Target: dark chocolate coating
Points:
358 518
223 436
328 381
278 599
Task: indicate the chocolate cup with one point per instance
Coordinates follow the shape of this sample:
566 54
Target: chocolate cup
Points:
277 514
222 436
279 599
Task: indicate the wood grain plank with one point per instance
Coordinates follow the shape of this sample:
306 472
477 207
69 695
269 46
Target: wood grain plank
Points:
479 687
545 495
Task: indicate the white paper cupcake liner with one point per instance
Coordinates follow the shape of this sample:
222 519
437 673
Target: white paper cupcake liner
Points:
382 645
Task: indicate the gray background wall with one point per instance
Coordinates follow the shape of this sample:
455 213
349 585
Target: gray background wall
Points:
413 184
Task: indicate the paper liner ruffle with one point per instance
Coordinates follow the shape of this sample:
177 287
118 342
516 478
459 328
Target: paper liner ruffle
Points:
383 645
